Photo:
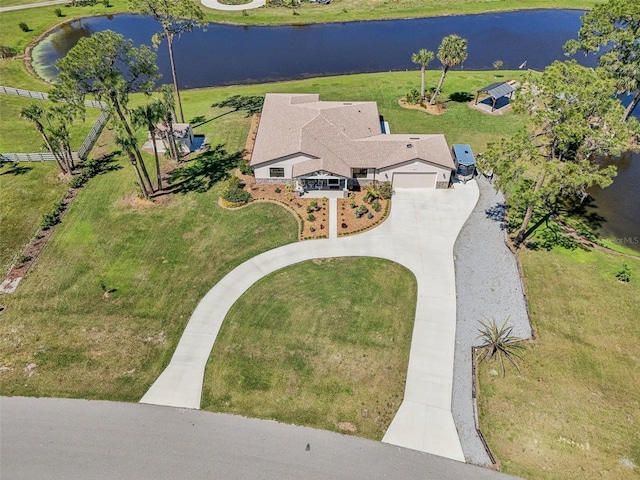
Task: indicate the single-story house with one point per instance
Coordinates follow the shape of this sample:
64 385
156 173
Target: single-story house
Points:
182 132
318 145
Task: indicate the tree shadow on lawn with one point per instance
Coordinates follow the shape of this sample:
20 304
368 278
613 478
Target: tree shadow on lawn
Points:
14 168
205 171
461 97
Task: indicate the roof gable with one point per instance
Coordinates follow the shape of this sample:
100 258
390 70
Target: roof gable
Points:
341 135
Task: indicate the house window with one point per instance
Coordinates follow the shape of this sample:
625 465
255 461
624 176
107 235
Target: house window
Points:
360 172
276 172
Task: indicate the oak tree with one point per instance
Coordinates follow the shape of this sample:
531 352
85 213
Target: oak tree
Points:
574 121
614 28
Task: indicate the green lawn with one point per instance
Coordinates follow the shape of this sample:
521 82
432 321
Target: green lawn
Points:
18 135
571 414
357 10
159 259
41 19
323 343
383 88
27 191
573 411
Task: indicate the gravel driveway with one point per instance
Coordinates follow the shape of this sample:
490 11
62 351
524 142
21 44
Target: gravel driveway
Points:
488 285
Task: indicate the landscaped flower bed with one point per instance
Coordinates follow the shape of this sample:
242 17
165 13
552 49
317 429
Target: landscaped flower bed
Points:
363 216
357 213
312 213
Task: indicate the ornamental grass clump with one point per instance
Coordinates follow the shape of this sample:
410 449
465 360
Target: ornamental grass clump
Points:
499 342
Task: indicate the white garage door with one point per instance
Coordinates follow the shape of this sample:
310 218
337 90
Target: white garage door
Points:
414 180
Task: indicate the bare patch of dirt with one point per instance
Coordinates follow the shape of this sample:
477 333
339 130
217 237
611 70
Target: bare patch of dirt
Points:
437 109
134 202
347 427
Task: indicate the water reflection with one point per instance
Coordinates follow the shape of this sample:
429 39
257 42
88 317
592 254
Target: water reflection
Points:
227 54
619 203
71 33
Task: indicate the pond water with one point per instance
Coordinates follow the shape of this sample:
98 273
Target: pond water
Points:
227 54
619 204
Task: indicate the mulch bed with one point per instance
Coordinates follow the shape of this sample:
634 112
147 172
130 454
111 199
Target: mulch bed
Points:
437 109
349 224
286 197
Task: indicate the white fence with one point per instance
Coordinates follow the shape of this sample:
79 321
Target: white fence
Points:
93 135
45 96
86 146
32 157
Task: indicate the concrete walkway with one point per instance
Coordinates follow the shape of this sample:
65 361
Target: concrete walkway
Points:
216 5
34 5
420 234
333 218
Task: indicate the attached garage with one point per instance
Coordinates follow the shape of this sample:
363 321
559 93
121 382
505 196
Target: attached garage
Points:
414 180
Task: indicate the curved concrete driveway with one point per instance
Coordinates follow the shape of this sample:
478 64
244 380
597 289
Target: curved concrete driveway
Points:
216 5
419 234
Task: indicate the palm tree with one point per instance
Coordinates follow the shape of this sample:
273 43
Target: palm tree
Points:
499 342
129 145
422 58
167 107
34 113
148 116
176 17
64 114
452 52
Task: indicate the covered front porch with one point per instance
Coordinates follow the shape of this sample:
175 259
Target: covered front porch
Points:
320 184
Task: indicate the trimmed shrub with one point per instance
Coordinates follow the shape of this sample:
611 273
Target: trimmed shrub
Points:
7 52
376 206
58 12
52 218
624 275
244 167
413 97
385 189
233 194
24 27
311 217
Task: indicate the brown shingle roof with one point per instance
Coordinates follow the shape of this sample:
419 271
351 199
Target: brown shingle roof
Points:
341 135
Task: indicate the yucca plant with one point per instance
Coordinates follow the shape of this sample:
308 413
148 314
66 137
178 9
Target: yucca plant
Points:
499 342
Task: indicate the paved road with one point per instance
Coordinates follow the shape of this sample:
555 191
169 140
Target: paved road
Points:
33 5
419 234
216 5
79 439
